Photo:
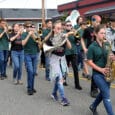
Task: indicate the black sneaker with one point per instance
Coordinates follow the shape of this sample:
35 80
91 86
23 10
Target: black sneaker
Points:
78 87
34 91
93 110
65 84
54 97
2 78
30 92
89 77
94 93
5 76
84 75
65 102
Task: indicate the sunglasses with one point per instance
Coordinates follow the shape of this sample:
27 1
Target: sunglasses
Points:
69 25
33 27
28 26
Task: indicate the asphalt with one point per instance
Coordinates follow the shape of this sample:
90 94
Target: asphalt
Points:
15 101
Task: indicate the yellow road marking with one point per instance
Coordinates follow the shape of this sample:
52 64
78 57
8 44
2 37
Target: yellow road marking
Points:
85 79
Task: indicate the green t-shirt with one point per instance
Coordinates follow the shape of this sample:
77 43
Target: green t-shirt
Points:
73 50
98 54
76 26
31 47
4 43
45 32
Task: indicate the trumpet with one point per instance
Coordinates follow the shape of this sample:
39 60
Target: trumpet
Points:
10 31
76 33
40 31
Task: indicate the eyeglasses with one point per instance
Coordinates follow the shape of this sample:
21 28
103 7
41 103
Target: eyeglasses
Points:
102 33
69 25
28 26
32 27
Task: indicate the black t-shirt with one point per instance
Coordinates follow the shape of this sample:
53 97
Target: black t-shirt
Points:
89 36
16 45
60 51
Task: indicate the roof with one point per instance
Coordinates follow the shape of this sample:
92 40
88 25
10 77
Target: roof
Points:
99 10
26 13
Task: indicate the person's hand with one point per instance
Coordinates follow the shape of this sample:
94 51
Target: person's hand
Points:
112 57
105 70
30 33
5 28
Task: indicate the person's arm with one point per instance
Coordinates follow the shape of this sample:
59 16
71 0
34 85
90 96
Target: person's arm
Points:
83 45
15 37
68 44
47 37
97 68
1 34
27 38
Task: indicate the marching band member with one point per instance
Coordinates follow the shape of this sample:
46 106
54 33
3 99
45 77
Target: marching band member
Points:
97 56
45 33
87 38
71 56
17 53
4 47
31 53
58 66
110 34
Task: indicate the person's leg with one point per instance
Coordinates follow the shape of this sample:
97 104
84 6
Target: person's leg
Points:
94 89
1 64
64 100
55 89
21 60
47 67
104 88
15 61
29 67
34 64
75 70
6 53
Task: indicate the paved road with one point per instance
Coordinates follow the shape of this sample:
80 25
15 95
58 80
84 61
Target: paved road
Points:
15 101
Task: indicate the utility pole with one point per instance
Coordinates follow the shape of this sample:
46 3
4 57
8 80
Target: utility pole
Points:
43 12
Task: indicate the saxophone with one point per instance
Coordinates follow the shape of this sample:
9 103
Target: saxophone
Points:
110 77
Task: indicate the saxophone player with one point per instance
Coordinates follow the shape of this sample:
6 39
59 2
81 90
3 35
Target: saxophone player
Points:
31 53
4 48
97 58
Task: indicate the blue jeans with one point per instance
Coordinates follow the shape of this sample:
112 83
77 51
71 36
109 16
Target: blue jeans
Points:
3 62
17 60
47 67
31 66
104 94
58 86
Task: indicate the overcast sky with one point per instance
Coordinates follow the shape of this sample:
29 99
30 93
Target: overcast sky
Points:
31 3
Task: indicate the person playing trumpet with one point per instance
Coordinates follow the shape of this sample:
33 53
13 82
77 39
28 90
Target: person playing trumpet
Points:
31 53
17 53
71 55
4 47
